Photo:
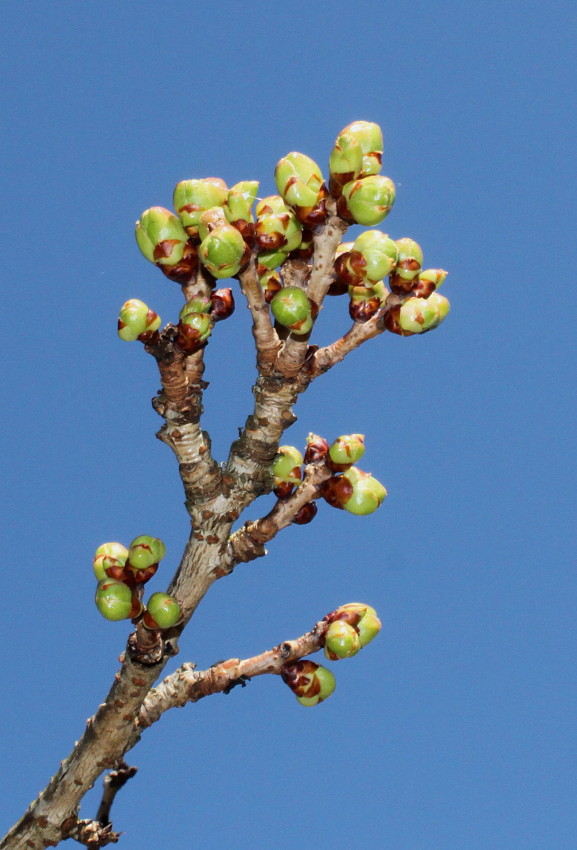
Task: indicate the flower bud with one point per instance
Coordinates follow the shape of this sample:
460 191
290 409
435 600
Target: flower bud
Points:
193 331
364 303
367 200
305 514
310 682
192 197
222 301
162 612
367 493
239 201
341 640
209 220
276 226
370 138
223 252
286 466
409 262
145 551
109 556
427 282
317 448
115 601
292 308
136 321
270 260
442 305
363 618
347 450
270 283
418 315
161 236
337 491
345 162
199 303
300 182
378 255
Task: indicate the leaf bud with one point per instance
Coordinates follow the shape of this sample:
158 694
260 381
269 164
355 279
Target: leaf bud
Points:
276 226
292 309
162 612
115 600
316 449
367 200
346 450
341 640
370 138
305 514
223 252
310 682
109 556
136 321
222 304
192 197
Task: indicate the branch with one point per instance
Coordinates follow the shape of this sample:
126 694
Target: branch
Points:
189 685
265 337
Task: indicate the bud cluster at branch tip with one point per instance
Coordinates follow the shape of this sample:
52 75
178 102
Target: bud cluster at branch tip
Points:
351 627
310 683
122 574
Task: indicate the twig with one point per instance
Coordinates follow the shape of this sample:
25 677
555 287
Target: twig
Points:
113 782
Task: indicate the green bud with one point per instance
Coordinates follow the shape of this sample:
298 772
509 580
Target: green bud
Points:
287 464
192 197
363 618
310 682
292 308
442 305
161 236
369 626
367 200
341 641
276 226
298 179
200 303
270 283
367 493
345 162
193 331
162 612
239 201
418 315
222 253
115 601
436 276
137 321
209 220
145 551
347 449
370 138
271 259
379 254
108 555
409 262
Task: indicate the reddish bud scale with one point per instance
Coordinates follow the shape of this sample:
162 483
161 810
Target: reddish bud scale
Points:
338 287
297 676
362 311
222 301
317 448
246 230
306 514
392 322
400 284
284 489
184 270
337 491
423 288
134 576
349 267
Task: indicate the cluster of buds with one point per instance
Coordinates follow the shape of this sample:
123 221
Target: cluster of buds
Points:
122 573
350 628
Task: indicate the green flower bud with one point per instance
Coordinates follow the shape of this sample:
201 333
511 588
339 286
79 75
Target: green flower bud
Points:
367 200
341 641
379 254
270 283
370 138
367 493
345 162
209 220
239 201
192 197
271 260
300 182
223 251
287 465
145 551
418 315
276 226
409 262
363 618
115 601
429 280
292 308
161 236
199 303
442 305
162 612
364 303
137 321
347 450
310 682
193 331
109 556
369 626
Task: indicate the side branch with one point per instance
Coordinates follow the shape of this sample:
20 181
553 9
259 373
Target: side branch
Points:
189 685
265 336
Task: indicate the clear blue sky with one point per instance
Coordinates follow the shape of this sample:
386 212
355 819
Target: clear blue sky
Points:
457 727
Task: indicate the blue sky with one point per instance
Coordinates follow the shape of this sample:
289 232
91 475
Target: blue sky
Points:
457 727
